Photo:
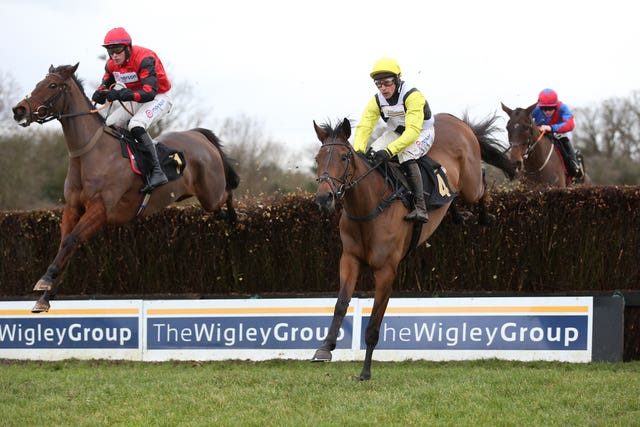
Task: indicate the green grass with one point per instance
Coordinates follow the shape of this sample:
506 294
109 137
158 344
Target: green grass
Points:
299 393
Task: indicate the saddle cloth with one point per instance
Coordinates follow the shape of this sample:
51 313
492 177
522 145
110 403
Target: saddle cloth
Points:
437 191
171 160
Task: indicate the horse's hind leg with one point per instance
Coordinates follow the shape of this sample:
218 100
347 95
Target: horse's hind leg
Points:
458 217
484 217
227 213
232 216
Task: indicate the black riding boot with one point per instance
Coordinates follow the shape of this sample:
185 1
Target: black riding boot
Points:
571 161
157 177
415 183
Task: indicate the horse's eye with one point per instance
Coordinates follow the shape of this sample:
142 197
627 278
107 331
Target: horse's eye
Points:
344 157
52 85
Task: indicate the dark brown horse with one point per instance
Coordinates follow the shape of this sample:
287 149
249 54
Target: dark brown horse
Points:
539 158
100 187
382 240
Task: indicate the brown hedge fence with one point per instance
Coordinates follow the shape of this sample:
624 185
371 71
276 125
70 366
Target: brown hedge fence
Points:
559 242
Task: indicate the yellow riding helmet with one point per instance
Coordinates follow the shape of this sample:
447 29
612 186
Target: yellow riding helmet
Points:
385 65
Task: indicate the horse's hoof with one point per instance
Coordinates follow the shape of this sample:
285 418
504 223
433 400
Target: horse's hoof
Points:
43 285
322 356
40 307
364 377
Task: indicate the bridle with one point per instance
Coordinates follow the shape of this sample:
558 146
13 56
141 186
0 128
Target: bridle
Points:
43 112
531 143
340 185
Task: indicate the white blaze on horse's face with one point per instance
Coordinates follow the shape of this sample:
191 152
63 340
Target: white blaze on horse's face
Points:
328 179
519 133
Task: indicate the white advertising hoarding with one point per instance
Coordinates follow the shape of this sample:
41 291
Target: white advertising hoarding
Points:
526 328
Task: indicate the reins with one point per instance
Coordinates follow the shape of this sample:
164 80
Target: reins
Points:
42 114
532 146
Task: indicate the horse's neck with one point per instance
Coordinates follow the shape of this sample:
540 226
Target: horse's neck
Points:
541 152
363 198
78 130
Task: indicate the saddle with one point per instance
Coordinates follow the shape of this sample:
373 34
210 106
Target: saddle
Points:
434 180
565 156
171 160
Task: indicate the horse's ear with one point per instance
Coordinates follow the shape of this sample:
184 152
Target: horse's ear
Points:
346 128
506 109
321 133
51 69
530 108
75 67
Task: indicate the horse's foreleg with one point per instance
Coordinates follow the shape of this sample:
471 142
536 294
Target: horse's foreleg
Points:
384 284
349 270
70 217
93 219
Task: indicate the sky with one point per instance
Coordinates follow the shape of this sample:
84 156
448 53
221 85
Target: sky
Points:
286 63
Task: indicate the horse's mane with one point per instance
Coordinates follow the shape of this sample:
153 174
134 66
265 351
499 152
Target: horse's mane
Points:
333 131
80 84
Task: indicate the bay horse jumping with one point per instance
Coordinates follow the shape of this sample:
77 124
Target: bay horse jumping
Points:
100 187
540 160
374 232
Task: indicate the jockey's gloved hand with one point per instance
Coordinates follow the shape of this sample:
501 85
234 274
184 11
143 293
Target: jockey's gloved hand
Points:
99 97
113 95
123 94
381 156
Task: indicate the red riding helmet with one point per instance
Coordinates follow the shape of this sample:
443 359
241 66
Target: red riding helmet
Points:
548 98
117 36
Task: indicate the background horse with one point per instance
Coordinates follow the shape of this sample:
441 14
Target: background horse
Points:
540 160
377 235
100 187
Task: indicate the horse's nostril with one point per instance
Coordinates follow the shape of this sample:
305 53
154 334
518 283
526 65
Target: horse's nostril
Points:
325 201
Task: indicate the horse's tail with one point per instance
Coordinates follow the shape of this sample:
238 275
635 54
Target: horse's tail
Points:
489 145
231 176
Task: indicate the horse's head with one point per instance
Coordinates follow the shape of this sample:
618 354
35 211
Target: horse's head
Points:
335 161
520 132
46 101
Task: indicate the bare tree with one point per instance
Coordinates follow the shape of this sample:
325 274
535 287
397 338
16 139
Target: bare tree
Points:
187 111
610 129
8 97
609 136
260 160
